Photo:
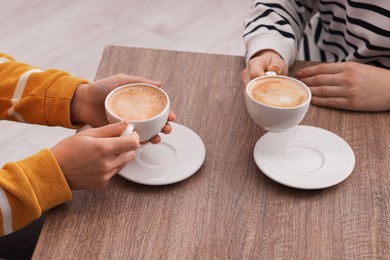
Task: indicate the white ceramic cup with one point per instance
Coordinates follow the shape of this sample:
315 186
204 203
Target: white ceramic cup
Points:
146 128
273 118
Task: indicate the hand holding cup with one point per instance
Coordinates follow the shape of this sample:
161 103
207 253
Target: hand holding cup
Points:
277 103
146 108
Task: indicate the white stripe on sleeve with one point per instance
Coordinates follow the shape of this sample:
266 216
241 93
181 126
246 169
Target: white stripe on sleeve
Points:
2 60
19 92
22 84
6 212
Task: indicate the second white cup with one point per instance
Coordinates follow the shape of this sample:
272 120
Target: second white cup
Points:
277 103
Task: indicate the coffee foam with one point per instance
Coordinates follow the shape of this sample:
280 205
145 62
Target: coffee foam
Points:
278 92
136 103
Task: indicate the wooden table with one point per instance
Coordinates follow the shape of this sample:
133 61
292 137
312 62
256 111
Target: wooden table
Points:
228 209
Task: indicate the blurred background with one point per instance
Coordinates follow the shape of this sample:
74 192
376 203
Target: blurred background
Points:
71 35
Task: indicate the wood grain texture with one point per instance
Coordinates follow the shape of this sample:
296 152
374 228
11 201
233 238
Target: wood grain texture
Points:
228 209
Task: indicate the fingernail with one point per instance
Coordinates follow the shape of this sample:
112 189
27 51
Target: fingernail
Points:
123 122
298 74
275 68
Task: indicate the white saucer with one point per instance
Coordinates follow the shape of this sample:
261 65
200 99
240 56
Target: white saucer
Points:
178 156
304 157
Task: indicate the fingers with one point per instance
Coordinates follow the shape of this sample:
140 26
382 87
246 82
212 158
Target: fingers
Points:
122 160
333 102
115 130
154 140
328 91
167 128
267 60
122 79
157 139
110 130
171 116
118 152
278 65
323 68
110 139
275 68
329 84
325 85
257 67
117 165
119 145
320 80
110 168
324 81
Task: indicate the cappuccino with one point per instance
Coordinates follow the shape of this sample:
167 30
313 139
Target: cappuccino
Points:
278 92
136 103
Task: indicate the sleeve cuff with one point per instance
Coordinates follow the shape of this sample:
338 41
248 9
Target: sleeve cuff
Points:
58 99
47 179
285 47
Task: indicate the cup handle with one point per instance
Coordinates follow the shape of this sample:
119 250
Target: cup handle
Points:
128 130
270 73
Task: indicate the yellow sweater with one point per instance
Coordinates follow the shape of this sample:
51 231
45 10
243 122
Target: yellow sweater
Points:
35 184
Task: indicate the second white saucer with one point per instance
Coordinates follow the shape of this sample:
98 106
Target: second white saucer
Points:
304 157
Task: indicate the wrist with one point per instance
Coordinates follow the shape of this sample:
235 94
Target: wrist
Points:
77 104
268 52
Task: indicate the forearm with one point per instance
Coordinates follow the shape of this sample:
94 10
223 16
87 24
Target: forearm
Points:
278 26
29 187
31 95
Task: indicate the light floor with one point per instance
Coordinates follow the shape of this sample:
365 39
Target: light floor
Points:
70 35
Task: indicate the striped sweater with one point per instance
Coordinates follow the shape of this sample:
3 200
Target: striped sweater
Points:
323 30
35 184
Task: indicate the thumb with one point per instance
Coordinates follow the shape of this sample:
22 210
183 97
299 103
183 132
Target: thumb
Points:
110 130
275 68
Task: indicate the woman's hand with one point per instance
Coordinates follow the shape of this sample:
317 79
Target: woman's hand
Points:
88 102
91 157
348 85
260 63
